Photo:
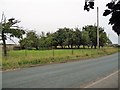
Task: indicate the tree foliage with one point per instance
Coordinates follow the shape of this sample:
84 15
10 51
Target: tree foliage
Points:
88 5
113 8
30 41
66 38
9 30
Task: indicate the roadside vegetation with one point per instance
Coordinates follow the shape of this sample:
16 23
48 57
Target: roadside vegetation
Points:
66 38
66 44
27 58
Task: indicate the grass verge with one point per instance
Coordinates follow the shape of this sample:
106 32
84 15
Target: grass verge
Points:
27 58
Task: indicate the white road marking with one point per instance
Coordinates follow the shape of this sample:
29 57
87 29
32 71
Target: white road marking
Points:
101 80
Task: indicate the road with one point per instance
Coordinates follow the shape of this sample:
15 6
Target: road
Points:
64 75
110 81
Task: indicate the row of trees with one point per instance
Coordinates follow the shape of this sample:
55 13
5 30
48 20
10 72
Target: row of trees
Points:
65 38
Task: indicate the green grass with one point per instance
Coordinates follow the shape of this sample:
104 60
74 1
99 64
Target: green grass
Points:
27 58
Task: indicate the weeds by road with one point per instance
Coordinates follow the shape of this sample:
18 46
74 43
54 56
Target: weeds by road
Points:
26 58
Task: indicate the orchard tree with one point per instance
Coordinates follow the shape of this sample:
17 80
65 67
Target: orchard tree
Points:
61 36
92 30
103 39
9 30
31 41
85 39
48 42
78 37
69 37
92 34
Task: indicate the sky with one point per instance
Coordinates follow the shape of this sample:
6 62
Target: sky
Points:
49 15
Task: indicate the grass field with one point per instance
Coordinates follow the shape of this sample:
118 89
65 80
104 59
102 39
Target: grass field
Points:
26 58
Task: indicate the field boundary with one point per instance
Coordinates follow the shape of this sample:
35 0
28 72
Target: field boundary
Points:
18 59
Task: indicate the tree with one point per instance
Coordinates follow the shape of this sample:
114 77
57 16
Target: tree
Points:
78 37
48 42
42 42
9 30
89 4
92 30
54 40
31 41
60 36
85 38
69 37
102 37
113 9
25 43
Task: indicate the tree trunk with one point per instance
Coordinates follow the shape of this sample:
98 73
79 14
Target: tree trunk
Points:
91 46
55 46
37 48
4 44
71 46
88 46
61 46
100 46
68 46
95 47
84 46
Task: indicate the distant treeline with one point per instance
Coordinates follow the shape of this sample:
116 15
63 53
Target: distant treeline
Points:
66 38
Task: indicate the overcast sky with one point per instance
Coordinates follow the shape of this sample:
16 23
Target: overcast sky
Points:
49 15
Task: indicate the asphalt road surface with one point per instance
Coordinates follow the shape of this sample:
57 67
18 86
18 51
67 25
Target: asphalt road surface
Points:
110 81
64 75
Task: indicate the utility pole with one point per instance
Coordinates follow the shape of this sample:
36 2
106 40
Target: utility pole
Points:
98 27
